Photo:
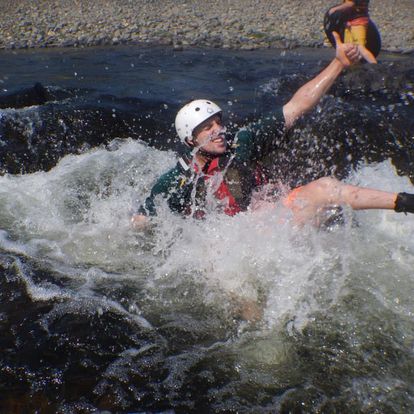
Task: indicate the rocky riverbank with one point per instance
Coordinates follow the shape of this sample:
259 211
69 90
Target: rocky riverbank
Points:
237 24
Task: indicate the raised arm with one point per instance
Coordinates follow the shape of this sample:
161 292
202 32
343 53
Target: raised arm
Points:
310 94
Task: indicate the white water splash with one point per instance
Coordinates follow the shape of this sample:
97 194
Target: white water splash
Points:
77 216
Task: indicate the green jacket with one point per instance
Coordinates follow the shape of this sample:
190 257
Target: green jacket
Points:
237 173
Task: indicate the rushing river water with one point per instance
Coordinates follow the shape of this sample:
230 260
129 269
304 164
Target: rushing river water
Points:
98 318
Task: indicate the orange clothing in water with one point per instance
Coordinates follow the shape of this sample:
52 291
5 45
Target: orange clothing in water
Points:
290 200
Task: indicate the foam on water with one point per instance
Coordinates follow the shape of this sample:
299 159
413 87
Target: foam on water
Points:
77 216
184 276
77 211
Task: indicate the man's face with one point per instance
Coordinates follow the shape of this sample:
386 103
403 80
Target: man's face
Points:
209 136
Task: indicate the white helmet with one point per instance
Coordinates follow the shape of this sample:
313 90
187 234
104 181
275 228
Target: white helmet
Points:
190 116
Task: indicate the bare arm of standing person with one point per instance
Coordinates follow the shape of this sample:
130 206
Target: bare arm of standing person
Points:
310 94
367 54
342 7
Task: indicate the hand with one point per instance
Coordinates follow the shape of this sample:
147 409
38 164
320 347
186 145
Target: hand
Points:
139 221
346 53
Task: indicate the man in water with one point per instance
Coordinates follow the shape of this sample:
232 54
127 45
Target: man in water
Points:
215 174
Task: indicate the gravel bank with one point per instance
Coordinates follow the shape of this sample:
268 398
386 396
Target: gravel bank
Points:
238 24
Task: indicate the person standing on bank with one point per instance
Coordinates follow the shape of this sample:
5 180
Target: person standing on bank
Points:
356 26
217 175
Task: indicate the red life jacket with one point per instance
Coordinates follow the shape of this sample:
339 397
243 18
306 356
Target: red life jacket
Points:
223 192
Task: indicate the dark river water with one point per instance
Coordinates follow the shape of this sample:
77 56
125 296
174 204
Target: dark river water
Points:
98 318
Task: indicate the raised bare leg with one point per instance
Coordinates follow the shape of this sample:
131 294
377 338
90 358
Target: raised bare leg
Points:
308 201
